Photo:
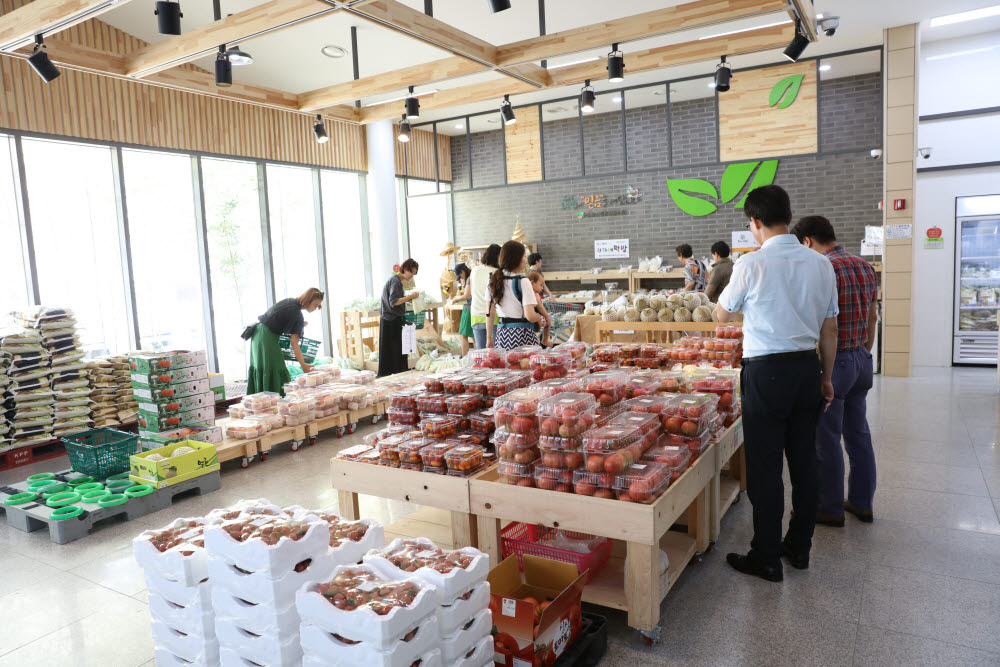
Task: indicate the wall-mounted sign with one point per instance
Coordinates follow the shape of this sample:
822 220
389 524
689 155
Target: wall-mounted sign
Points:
601 205
901 231
934 240
872 244
682 190
785 91
611 249
744 241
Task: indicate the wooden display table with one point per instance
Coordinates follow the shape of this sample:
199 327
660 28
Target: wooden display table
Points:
730 477
441 492
654 332
636 277
645 529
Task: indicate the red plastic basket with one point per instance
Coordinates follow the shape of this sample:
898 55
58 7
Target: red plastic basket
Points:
527 539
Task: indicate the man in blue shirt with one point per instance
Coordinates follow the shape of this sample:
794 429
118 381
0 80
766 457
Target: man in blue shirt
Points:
788 295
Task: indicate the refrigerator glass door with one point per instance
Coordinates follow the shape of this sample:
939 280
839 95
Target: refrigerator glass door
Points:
979 275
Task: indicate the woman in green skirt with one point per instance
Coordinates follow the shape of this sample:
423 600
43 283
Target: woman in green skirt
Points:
267 364
464 294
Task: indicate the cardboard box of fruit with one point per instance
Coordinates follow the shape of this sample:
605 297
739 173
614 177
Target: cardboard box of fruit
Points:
156 362
157 423
537 613
163 467
168 378
172 406
171 392
212 434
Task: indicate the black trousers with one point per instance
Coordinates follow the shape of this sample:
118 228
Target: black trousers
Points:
391 359
781 405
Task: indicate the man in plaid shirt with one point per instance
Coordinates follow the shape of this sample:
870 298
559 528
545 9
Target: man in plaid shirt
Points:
852 378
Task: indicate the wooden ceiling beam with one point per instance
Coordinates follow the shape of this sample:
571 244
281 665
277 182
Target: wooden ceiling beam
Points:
19 27
452 97
807 11
664 21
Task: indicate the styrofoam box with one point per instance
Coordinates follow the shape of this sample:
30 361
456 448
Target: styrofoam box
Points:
482 654
260 558
453 616
457 582
241 505
456 645
164 658
171 564
192 620
184 596
257 618
429 659
348 553
262 649
260 589
189 647
317 641
364 624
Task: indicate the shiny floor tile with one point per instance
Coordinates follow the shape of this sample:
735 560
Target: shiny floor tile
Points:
932 508
894 649
926 476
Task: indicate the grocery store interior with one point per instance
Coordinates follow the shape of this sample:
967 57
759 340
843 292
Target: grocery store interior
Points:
255 411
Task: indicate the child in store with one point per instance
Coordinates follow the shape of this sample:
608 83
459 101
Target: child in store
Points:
544 327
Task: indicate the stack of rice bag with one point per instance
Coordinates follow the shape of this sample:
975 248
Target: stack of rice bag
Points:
4 383
28 396
103 392
128 407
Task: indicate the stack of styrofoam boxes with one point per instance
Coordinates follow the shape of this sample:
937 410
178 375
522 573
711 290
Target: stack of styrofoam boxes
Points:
463 615
180 601
254 585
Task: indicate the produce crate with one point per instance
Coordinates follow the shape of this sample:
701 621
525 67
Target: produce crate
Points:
526 539
101 452
359 334
309 347
415 318
590 646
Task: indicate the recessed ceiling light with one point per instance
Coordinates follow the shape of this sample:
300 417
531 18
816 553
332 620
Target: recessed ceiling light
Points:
459 126
334 51
711 84
824 68
617 99
945 56
961 17
756 27
574 62
819 16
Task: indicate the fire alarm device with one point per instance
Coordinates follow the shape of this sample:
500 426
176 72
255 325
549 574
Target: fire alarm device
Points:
881 205
898 204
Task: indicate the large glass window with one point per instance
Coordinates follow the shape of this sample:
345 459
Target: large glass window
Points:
236 257
345 261
74 217
293 237
165 262
13 287
427 218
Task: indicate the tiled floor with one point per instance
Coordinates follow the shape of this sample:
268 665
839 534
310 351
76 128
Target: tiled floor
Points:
920 586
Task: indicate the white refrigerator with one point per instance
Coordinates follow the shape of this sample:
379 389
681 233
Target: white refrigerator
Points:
977 279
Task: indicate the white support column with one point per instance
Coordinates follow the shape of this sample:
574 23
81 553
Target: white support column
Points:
383 223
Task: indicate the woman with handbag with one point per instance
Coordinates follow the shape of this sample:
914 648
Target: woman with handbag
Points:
267 370
512 299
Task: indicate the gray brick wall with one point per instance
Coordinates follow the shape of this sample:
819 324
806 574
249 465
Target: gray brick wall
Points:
850 112
561 148
647 136
694 130
604 152
460 162
487 158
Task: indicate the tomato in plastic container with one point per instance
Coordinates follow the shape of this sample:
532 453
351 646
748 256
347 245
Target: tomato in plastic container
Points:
606 414
730 416
516 474
455 382
482 421
554 442
650 404
579 373
643 422
560 385
405 399
354 453
360 589
676 457
730 332
607 388
518 448
489 357
675 382
463 458
553 479
609 438
467 437
577 349
435 382
607 354
409 452
694 443
647 362
642 482
439 426
597 484
641 386
398 417
463 420
549 364
500 385
567 415
519 357
631 350
433 454
371 457
565 459
649 350
261 400
431 402
600 366
520 378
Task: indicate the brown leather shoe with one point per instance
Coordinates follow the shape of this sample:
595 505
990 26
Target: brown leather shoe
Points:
835 520
865 516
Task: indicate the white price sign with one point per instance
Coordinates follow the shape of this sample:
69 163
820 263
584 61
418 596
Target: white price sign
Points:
744 241
899 231
611 249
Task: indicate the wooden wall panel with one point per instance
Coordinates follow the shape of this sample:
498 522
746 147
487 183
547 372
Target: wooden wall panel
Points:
751 129
524 147
419 152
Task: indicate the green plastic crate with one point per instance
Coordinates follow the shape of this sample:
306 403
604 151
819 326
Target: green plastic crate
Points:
309 347
102 452
414 318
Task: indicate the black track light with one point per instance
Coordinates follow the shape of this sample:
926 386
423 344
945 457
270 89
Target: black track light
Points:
404 130
39 61
587 98
412 107
798 44
498 5
238 56
319 129
507 111
168 17
223 69
723 75
616 65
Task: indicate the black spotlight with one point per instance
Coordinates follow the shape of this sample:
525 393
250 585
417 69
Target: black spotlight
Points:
616 65
587 98
723 75
319 129
498 5
404 130
412 107
798 44
223 70
507 111
168 17
39 61
238 56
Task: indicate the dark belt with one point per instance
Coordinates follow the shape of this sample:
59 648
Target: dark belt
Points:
780 356
513 320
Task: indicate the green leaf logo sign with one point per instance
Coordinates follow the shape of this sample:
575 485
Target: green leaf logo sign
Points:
734 179
785 91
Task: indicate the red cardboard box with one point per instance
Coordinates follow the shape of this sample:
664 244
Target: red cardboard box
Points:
514 639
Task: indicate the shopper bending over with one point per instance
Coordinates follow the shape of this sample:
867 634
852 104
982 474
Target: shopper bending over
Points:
852 378
544 328
513 300
479 282
695 274
391 359
267 370
464 294
535 264
788 295
722 269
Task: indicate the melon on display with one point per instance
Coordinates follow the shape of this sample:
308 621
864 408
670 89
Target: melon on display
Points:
682 314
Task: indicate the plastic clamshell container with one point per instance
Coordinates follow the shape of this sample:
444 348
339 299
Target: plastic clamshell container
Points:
560 385
694 443
439 426
518 474
456 645
516 440
551 479
293 407
256 618
643 482
607 354
488 358
193 620
438 567
371 457
312 379
398 417
270 421
644 423
261 400
641 386
462 404
729 332
563 459
674 382
409 452
264 589
404 399
557 443
648 363
431 402
433 454
298 420
610 437
353 453
586 483
675 457
465 457
520 357
462 609
558 360
237 412
469 438
190 648
454 383
265 649
520 401
498 386
245 429
363 624
576 349
648 404
185 563
568 406
649 350
256 556
400 653
607 387
435 382
694 411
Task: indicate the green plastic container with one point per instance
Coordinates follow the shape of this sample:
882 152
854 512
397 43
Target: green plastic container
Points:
308 346
101 453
